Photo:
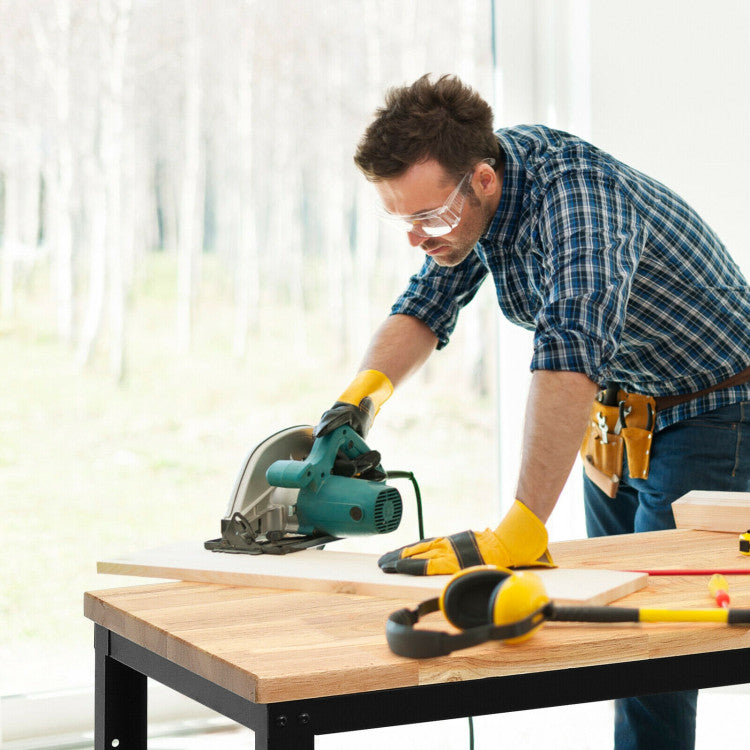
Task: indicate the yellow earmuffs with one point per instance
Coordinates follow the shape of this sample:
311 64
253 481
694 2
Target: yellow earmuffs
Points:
487 602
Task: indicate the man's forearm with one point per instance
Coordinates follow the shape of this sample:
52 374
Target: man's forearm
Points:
556 416
399 347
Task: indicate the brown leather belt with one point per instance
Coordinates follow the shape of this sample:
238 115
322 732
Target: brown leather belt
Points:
666 402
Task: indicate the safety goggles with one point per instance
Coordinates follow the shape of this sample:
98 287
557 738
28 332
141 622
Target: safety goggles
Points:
437 221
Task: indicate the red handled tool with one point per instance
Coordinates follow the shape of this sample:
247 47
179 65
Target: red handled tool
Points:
719 589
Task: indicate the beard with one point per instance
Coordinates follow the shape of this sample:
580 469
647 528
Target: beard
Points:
454 247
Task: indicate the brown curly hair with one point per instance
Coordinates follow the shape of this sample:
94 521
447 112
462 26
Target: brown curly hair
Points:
445 120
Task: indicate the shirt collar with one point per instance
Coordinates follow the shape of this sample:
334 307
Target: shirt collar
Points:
502 228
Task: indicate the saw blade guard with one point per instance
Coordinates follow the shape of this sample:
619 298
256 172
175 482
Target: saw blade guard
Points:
265 508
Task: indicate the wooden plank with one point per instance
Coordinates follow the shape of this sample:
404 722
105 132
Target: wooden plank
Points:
705 510
345 573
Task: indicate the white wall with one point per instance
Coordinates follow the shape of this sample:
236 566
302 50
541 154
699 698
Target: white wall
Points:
662 85
669 95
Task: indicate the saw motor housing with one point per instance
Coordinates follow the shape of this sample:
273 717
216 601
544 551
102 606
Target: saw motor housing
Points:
337 505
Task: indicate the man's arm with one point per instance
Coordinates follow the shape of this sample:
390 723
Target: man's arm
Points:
556 415
400 346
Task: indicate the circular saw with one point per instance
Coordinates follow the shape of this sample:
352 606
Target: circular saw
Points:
294 491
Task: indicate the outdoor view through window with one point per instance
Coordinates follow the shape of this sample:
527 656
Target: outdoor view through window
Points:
190 261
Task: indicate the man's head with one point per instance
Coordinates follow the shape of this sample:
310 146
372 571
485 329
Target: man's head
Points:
430 153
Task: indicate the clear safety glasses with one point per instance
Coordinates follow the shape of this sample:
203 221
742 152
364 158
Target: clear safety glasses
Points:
437 221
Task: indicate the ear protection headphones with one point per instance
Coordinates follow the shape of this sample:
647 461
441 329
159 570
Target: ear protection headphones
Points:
492 603
485 602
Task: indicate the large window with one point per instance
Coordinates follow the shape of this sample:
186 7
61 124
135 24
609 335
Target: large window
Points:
189 262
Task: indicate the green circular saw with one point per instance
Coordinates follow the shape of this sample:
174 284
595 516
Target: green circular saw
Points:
294 492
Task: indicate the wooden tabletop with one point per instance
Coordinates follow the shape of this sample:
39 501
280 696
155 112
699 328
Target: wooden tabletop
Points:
270 645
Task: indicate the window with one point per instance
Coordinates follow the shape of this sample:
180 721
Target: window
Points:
190 261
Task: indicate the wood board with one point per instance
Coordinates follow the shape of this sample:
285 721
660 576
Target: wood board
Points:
706 510
346 572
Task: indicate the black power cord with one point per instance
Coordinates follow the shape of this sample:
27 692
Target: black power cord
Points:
417 494
420 521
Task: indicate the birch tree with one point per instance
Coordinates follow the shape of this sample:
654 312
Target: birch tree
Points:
9 164
246 284
334 173
107 279
286 243
192 191
54 44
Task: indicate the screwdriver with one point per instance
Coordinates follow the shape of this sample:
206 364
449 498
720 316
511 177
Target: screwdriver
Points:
719 589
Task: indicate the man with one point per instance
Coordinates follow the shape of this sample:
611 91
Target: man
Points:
640 317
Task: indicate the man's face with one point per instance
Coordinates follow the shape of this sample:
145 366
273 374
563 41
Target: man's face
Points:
426 186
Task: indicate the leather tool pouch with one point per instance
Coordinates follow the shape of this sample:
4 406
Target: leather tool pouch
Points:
602 461
629 427
638 432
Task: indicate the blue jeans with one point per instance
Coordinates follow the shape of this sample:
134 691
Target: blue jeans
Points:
708 452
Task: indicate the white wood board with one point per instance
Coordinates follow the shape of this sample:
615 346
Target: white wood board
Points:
346 572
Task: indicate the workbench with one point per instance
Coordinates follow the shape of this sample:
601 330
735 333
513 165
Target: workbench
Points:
291 665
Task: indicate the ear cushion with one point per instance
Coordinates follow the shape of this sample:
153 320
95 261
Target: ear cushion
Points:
465 599
514 599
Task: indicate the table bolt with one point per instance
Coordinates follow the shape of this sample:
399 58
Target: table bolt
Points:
303 719
280 721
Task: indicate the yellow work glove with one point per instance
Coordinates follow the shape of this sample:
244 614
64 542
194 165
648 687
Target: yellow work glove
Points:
358 404
519 541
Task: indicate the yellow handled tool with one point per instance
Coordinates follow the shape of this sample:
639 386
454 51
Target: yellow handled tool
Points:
645 614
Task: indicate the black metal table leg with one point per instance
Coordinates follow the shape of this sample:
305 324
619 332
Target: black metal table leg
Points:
122 668
120 701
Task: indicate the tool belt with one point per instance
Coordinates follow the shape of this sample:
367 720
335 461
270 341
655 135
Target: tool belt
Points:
621 421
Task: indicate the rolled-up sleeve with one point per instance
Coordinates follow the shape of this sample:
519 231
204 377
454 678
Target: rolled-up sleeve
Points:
436 294
589 239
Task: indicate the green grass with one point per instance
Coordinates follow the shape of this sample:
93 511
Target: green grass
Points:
91 468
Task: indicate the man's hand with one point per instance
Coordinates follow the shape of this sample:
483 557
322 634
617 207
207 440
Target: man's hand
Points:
519 540
357 405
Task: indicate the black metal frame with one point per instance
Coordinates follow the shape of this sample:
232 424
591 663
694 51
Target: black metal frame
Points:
123 666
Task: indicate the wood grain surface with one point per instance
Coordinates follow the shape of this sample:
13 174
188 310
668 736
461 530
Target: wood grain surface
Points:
271 645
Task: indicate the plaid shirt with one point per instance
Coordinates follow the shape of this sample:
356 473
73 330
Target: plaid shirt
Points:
616 275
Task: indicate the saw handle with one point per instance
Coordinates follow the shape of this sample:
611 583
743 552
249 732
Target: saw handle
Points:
317 466
289 474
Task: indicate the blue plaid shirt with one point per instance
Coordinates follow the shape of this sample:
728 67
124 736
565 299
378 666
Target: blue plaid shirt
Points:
616 275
